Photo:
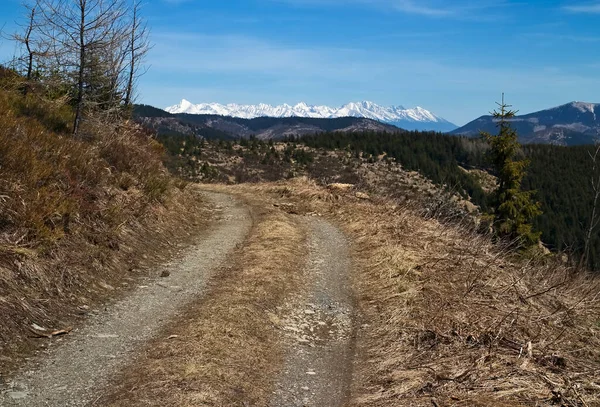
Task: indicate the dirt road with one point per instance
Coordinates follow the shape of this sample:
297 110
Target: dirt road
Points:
312 327
319 325
69 374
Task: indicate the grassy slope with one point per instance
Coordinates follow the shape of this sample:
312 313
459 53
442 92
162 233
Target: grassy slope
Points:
560 175
448 318
77 217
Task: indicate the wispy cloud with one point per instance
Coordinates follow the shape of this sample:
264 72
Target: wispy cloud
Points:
242 59
585 8
427 8
238 54
411 7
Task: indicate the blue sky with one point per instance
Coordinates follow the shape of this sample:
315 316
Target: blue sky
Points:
451 57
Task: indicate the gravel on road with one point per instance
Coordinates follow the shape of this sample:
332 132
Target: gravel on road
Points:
318 327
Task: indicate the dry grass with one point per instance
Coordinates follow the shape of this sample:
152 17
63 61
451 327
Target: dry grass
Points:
76 216
52 185
450 319
226 352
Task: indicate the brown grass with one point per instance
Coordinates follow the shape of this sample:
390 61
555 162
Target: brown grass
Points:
76 216
450 319
226 350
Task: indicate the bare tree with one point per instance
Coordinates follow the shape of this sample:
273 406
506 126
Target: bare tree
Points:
138 48
26 40
33 46
84 34
93 50
594 218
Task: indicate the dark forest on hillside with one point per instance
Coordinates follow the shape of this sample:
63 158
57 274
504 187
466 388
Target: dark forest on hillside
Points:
433 154
560 175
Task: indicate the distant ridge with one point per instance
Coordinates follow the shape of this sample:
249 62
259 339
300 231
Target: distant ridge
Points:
410 119
573 123
227 127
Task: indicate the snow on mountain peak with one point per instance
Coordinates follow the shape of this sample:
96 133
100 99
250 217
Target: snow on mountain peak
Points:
184 104
365 109
584 107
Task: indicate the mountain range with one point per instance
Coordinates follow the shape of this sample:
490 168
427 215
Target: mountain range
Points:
409 119
212 126
574 123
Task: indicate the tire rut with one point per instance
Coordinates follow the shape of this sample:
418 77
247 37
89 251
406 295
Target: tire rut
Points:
69 375
318 327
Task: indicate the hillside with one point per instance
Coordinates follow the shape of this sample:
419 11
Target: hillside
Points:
574 123
263 128
346 275
79 217
560 176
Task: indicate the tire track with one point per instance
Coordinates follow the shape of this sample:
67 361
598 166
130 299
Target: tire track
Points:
318 327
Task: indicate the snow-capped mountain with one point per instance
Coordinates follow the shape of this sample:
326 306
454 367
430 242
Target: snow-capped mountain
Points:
410 119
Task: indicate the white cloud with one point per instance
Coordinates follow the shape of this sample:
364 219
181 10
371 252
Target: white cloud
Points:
233 54
552 37
411 7
241 55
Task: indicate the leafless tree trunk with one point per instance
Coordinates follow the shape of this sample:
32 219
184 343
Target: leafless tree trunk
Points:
138 48
27 42
82 64
594 219
33 45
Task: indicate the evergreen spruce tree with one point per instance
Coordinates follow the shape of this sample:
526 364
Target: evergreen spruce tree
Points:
513 209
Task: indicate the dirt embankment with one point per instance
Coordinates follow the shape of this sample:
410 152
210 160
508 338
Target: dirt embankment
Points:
71 374
42 293
80 217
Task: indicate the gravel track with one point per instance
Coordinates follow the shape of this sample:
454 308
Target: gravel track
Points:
71 374
318 327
